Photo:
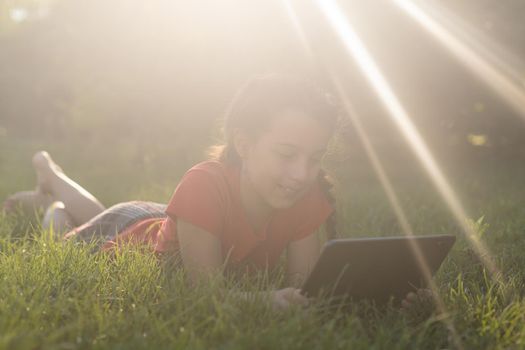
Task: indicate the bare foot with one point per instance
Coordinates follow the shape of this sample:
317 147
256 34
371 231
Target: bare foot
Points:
45 169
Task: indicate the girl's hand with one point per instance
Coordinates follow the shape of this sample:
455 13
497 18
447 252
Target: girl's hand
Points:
420 304
282 299
423 296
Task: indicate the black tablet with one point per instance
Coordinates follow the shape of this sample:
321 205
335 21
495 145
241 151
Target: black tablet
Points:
376 268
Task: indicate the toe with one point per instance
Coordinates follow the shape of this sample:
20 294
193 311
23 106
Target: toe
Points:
41 159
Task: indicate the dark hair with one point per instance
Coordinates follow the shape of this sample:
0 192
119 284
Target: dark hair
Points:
264 97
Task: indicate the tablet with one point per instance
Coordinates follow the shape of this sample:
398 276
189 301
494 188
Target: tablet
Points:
376 268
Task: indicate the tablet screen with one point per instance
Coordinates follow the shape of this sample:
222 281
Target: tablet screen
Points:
376 268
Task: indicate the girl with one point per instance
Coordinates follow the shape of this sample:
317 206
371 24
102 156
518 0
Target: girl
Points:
260 195
263 193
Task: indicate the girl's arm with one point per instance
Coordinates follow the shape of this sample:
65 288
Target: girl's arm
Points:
302 256
202 258
201 251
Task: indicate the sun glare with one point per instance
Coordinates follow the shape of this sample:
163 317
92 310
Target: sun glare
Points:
383 177
366 63
477 140
394 202
484 63
18 14
297 25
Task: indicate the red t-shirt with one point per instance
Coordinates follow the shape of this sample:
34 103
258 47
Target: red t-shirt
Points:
208 196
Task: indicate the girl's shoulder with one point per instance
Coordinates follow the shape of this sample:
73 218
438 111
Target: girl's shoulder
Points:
204 195
212 172
211 166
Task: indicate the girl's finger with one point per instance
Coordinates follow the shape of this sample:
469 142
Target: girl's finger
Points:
411 296
294 296
278 304
424 294
299 297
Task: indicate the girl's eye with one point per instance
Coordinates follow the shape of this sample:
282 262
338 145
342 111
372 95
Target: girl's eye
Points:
317 159
285 155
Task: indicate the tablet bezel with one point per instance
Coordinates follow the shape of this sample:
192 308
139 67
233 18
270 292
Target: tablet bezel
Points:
375 268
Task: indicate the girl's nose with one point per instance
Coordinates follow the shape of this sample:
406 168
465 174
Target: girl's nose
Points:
300 171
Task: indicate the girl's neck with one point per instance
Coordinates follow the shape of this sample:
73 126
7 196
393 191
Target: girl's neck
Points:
258 212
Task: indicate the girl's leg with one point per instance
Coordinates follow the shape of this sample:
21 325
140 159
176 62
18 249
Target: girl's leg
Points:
58 218
30 202
79 203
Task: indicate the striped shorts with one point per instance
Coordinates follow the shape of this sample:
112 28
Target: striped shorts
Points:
108 224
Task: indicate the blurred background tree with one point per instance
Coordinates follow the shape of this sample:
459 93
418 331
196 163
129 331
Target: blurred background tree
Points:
145 81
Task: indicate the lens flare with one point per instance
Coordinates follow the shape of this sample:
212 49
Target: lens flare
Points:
369 68
290 12
485 64
384 180
396 205
18 14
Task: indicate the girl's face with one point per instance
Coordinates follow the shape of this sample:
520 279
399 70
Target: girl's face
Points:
283 161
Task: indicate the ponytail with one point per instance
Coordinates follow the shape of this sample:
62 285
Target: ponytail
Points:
326 185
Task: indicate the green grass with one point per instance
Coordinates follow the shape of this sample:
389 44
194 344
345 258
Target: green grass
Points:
56 295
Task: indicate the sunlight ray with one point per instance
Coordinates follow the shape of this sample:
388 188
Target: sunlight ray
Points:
483 67
396 205
292 15
358 51
385 182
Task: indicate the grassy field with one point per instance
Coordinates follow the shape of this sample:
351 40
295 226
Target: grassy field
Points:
62 296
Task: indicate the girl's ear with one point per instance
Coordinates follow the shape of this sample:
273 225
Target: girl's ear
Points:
241 142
